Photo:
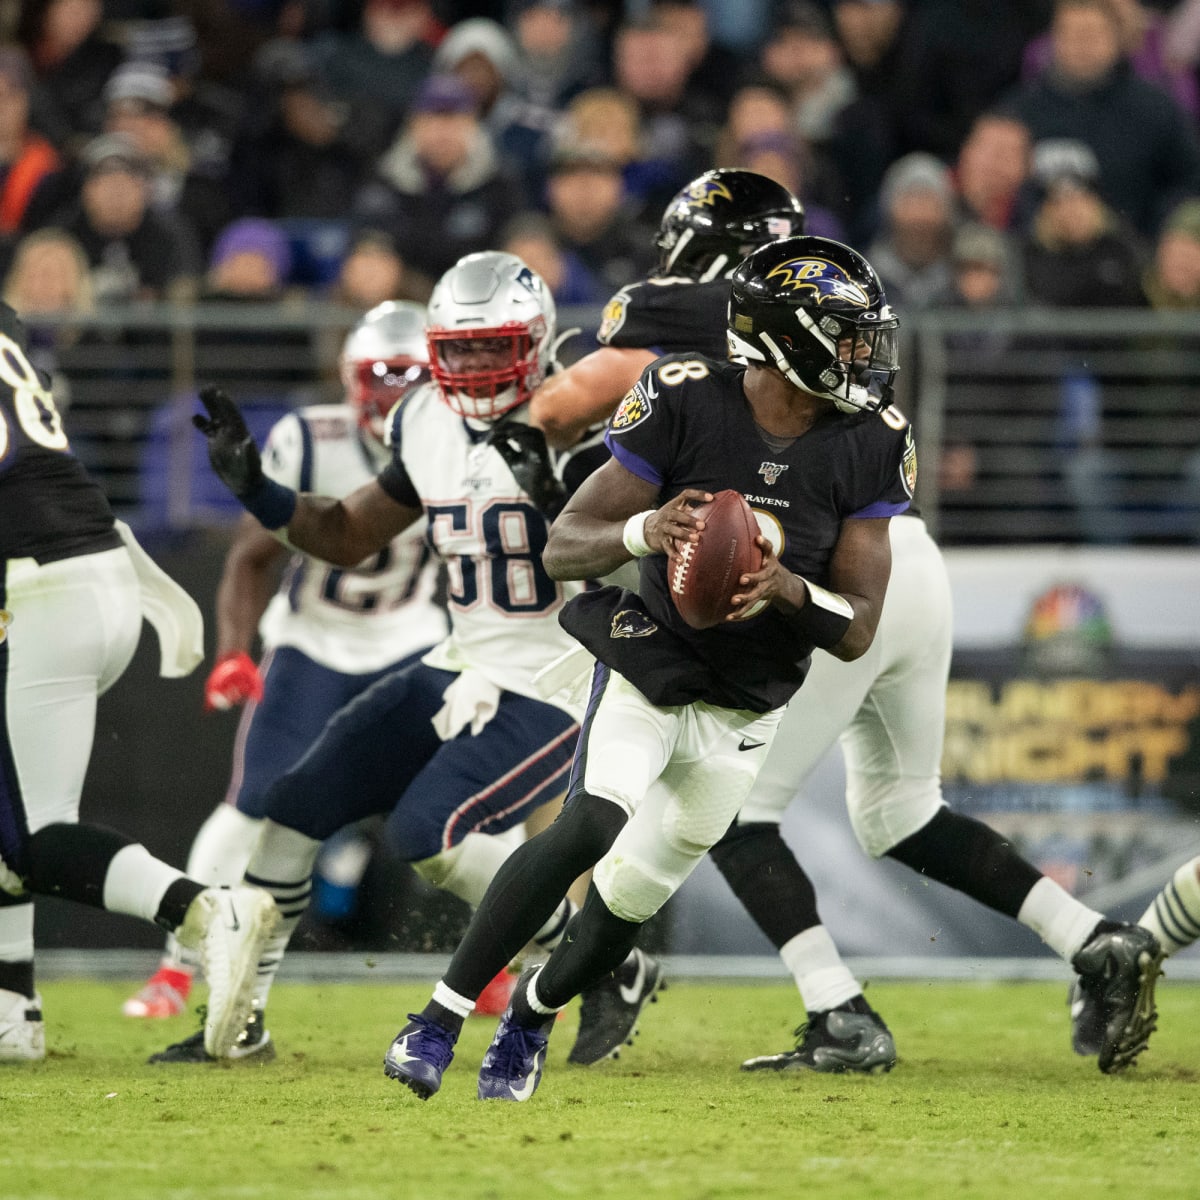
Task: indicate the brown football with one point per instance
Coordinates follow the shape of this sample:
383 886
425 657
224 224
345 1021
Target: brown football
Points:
704 575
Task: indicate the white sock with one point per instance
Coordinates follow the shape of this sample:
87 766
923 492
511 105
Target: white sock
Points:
282 863
1174 914
451 1000
136 882
16 933
219 854
532 997
466 870
816 966
1060 920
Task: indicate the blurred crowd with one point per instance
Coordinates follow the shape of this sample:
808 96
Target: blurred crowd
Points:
980 153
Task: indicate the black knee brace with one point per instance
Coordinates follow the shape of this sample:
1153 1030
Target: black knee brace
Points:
765 876
971 857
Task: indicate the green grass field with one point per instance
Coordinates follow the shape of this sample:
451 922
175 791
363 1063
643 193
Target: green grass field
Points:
987 1101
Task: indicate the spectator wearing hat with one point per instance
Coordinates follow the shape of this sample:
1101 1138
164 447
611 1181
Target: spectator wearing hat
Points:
72 62
1147 150
484 55
380 65
441 191
851 146
138 98
592 218
134 253
1173 278
301 153
250 261
1079 253
559 51
912 253
28 162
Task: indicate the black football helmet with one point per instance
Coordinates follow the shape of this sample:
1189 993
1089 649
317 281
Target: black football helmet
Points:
714 222
814 310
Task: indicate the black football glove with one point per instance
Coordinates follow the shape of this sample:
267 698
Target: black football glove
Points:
231 449
523 448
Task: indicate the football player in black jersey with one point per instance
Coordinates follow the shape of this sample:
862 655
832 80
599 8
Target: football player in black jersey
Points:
72 587
707 229
888 709
680 720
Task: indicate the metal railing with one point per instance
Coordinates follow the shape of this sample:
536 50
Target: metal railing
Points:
1032 425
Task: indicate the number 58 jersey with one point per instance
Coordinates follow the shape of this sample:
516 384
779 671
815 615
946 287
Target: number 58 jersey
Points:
503 606
352 620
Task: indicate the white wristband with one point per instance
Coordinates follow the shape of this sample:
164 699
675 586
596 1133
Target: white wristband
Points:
634 535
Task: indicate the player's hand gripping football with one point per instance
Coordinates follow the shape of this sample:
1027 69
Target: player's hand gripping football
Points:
760 588
231 449
523 448
233 680
675 522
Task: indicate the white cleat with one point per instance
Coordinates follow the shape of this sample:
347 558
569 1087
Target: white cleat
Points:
22 1032
230 927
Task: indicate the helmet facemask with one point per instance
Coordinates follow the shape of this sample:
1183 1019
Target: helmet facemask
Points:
377 385
861 359
514 366
384 357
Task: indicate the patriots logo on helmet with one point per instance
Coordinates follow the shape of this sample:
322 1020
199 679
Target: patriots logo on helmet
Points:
629 623
704 193
824 279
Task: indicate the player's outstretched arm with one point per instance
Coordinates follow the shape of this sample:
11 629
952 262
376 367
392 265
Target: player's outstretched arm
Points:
248 581
342 532
586 393
613 518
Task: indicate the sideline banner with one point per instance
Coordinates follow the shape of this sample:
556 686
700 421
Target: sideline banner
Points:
1073 727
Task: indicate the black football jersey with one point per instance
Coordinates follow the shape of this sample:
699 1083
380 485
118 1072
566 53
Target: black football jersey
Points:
51 507
670 315
687 423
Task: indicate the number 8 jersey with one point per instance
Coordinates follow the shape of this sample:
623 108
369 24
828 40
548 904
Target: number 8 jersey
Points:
353 620
50 508
503 606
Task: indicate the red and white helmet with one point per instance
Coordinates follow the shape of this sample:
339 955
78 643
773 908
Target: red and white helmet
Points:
385 355
492 298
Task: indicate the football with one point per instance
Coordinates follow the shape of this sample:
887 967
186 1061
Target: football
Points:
703 575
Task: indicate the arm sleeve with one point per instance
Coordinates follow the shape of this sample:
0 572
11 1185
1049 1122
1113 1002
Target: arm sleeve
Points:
394 478
890 477
641 433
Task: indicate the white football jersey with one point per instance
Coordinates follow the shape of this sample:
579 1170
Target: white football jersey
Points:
352 620
503 606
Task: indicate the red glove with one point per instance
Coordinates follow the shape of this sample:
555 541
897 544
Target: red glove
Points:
233 681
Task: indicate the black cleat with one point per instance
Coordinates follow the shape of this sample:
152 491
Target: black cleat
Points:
609 1013
836 1041
253 1043
1114 996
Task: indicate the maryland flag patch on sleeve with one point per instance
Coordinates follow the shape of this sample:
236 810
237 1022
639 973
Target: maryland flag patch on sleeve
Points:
613 317
908 463
633 409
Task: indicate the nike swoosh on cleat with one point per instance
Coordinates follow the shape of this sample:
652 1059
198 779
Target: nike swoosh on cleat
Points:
526 1089
745 745
631 994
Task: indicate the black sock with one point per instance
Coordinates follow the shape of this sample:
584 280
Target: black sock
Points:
593 948
72 861
177 899
440 1015
972 857
528 888
767 879
17 977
